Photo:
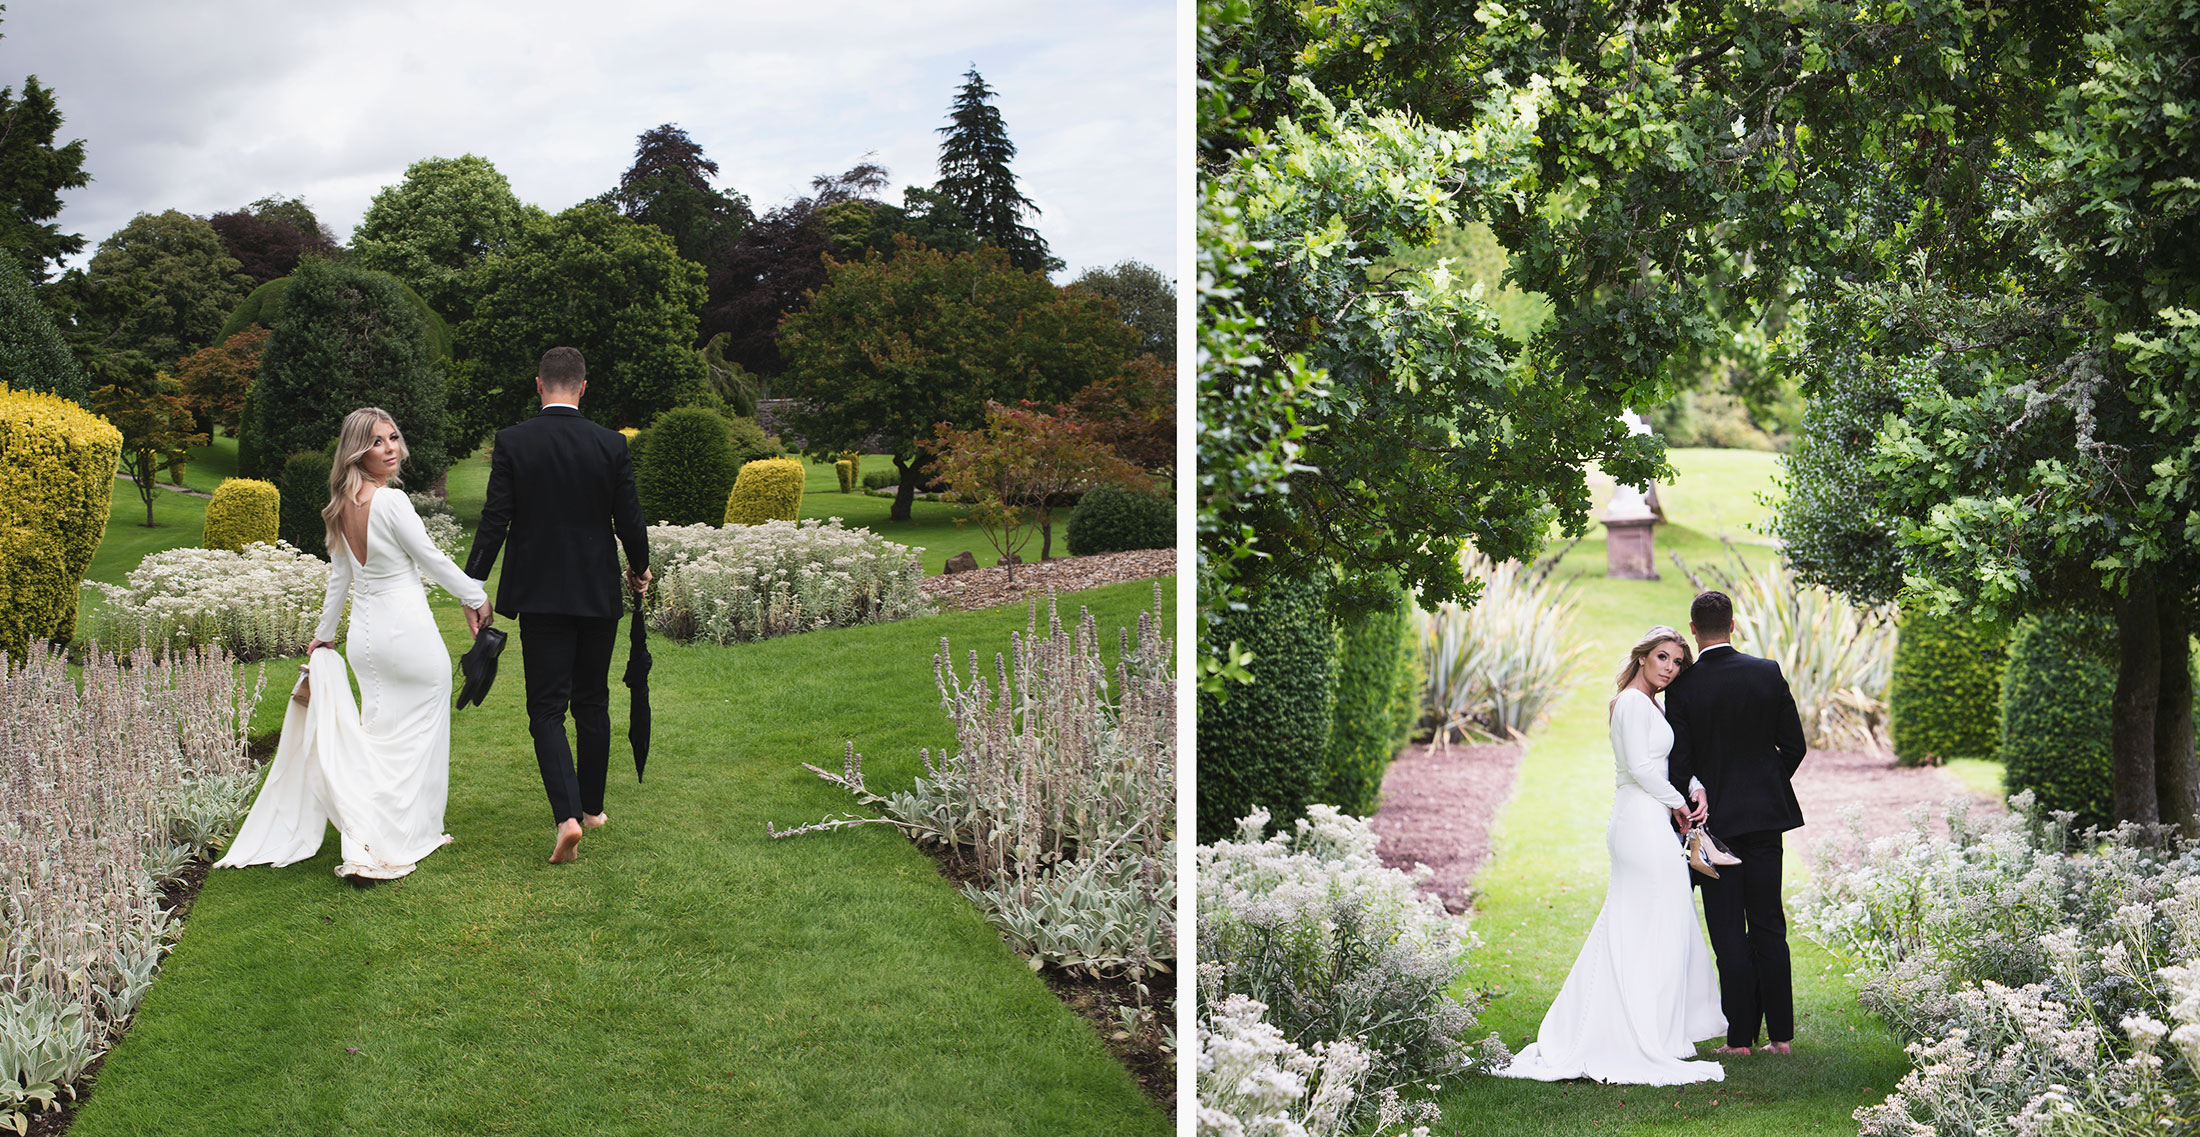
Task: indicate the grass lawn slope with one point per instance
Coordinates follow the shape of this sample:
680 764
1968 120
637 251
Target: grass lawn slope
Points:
688 975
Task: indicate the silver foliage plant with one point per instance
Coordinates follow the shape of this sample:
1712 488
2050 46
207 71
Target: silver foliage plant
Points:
1342 954
262 602
1061 789
111 786
2041 993
1493 669
748 582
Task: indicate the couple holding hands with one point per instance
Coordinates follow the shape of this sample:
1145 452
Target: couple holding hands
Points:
1717 757
561 489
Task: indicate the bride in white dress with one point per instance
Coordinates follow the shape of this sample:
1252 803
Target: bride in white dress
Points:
379 770
1642 992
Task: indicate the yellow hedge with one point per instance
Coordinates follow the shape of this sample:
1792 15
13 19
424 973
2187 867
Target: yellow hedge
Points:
767 489
57 479
244 510
847 472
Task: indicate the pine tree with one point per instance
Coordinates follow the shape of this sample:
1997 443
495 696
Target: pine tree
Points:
974 175
33 172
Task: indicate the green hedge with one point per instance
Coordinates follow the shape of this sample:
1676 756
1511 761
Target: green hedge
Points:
1370 720
686 468
1266 742
33 356
2055 714
751 444
302 489
1111 519
1945 698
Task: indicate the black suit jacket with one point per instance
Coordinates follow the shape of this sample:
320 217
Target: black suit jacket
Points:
560 487
1736 729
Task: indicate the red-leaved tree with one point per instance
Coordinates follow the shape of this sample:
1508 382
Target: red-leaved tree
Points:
1017 468
216 379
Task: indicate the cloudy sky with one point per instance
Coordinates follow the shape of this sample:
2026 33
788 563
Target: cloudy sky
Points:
204 106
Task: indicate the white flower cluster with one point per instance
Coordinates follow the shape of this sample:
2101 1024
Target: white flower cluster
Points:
1335 947
1254 1083
748 582
2037 987
260 603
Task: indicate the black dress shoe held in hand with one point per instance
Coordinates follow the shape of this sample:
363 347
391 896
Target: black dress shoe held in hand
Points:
479 665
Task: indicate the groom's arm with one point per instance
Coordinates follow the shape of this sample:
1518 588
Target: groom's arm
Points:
496 515
1787 726
626 510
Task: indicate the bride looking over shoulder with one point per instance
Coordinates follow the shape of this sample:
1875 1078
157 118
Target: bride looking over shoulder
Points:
380 770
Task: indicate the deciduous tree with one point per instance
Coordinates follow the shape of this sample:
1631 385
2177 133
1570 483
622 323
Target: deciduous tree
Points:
159 286
435 229
1144 299
668 186
1016 469
215 380
268 236
156 432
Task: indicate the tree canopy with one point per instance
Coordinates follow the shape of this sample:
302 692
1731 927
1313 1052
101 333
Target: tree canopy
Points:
668 186
268 236
1144 299
33 172
435 229
974 155
33 356
587 278
889 348
160 286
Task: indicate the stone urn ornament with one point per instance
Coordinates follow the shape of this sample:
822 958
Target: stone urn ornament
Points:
1630 548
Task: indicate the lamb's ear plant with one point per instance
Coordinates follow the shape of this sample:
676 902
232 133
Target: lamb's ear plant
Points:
112 786
1061 792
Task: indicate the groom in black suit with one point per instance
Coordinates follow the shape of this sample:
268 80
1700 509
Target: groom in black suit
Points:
560 488
1735 730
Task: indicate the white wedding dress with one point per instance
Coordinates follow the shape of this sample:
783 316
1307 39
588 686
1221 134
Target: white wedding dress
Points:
380 771
1642 992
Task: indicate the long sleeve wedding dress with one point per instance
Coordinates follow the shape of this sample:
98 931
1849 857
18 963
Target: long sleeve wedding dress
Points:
1642 992
380 770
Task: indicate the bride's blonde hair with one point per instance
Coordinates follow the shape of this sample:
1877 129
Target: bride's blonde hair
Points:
353 439
1641 651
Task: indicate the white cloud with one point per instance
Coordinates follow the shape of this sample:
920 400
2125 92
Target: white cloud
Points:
204 107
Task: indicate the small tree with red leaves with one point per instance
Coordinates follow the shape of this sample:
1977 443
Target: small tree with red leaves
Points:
216 379
1017 468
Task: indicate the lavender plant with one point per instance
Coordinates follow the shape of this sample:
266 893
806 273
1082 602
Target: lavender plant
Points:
747 582
258 603
110 787
1061 790
2036 987
1339 949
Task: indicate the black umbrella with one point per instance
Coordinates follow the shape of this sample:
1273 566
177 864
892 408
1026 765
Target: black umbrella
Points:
637 680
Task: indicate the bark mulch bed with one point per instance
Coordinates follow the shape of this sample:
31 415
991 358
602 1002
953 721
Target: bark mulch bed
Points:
991 587
1437 807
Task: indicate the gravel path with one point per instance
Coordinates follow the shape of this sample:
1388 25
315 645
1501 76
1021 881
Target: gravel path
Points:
1437 807
991 587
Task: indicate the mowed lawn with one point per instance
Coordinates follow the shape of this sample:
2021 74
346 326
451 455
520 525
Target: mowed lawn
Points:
1549 868
689 975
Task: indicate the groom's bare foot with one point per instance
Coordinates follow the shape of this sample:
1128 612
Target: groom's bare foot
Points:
1737 1051
1779 1048
569 843
594 820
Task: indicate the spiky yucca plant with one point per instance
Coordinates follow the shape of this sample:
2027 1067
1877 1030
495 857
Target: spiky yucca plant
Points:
1494 669
1837 655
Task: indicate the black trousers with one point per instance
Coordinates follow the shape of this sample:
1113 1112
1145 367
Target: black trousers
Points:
568 663
1748 930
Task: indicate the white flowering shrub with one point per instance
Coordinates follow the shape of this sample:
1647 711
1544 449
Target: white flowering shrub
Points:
112 787
747 582
259 603
1338 948
2036 988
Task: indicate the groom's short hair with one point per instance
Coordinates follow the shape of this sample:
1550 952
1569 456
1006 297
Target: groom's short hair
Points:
1712 613
562 369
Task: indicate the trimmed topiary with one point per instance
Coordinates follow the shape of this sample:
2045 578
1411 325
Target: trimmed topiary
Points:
751 444
1112 519
1266 743
33 356
244 510
1365 731
769 489
2056 715
1945 698
685 468
301 492
846 472
57 479
880 479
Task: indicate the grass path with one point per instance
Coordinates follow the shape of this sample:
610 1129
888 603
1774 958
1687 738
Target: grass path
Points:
1546 880
688 975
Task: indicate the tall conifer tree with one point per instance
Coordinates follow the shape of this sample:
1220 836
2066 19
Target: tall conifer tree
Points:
974 175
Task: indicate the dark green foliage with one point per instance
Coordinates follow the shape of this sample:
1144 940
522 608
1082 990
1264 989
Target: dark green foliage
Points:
303 483
1945 697
751 443
668 187
687 468
1268 743
33 356
1112 519
259 308
1144 299
1365 732
33 172
2055 714
974 176
880 479
158 286
344 338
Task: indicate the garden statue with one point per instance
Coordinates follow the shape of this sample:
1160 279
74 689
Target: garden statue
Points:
1630 549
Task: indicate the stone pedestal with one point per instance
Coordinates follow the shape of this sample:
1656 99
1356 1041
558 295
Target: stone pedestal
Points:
1630 552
